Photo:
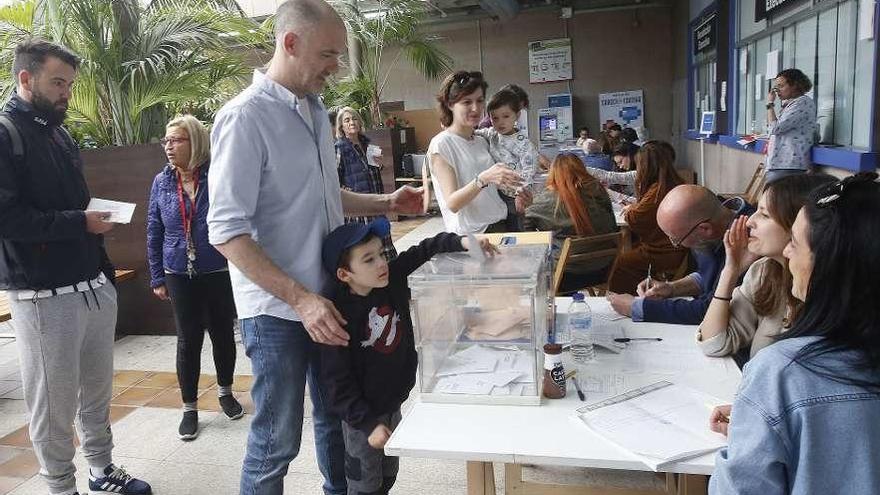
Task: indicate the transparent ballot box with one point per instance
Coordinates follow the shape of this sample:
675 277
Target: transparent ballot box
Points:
480 326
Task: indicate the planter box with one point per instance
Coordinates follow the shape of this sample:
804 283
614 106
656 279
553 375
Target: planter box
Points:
126 173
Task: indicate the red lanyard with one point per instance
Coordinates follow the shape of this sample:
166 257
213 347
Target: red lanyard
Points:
187 220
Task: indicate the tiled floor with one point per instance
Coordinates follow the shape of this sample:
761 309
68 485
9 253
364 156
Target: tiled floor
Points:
145 411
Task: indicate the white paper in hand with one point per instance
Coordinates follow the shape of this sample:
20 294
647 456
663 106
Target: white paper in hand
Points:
119 212
474 248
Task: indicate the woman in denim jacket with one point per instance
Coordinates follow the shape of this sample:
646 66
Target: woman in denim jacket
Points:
805 419
188 271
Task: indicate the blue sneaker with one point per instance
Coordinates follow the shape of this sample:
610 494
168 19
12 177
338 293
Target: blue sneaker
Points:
116 480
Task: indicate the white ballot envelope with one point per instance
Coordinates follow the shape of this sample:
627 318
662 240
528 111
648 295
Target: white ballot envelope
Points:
119 212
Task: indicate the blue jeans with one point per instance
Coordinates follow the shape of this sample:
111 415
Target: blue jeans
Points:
283 357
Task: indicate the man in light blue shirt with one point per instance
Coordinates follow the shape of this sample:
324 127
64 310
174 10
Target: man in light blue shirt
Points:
274 194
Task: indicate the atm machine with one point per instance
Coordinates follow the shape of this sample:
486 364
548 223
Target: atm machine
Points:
555 125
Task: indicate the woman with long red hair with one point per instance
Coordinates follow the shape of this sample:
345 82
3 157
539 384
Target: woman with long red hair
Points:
574 203
655 177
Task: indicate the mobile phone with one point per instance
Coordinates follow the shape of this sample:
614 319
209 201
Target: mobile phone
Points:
508 240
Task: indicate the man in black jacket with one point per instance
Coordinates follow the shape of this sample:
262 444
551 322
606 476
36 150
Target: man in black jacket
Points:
57 275
369 378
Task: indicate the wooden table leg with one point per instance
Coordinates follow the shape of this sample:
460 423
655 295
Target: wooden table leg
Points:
693 484
480 478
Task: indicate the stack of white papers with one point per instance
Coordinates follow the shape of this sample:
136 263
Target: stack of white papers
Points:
488 370
659 424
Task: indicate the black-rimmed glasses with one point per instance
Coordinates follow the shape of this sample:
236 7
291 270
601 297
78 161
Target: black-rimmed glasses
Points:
676 243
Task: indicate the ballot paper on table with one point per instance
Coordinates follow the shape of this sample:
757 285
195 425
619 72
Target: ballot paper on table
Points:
486 370
659 424
119 212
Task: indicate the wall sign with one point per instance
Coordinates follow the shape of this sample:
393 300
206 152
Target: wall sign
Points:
550 60
705 34
707 123
763 8
626 108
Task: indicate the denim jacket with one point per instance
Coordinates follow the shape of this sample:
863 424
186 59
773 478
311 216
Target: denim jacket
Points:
794 431
166 241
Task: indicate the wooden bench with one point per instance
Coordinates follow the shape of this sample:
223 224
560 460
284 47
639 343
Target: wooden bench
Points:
6 311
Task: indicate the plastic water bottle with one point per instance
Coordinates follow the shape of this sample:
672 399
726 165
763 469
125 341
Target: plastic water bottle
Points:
580 325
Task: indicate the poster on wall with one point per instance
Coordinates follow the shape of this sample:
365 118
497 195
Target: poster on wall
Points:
550 60
626 108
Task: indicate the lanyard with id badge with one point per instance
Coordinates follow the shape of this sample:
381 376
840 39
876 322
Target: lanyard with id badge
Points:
187 220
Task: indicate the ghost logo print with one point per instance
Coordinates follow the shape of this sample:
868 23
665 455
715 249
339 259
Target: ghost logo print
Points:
382 332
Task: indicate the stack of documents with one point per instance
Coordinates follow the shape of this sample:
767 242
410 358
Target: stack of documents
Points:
659 424
488 370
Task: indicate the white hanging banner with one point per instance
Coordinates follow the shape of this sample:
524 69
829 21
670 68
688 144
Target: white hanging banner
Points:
550 60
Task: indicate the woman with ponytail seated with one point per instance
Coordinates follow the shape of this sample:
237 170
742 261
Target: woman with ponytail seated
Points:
574 203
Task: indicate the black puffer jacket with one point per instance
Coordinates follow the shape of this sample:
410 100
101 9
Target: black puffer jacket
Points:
43 238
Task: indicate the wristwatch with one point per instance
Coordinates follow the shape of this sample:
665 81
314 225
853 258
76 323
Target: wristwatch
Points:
479 183
770 105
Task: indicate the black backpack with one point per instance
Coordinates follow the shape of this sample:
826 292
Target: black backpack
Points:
14 136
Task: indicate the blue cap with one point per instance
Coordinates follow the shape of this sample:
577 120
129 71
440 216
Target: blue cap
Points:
348 235
577 296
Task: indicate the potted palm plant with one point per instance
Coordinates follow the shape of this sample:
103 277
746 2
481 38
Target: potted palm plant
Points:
387 34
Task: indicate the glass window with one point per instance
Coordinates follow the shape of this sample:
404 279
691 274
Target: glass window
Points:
805 54
788 47
762 47
844 80
862 102
823 82
825 46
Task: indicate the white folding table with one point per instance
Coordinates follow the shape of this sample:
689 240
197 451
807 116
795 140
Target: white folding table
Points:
550 435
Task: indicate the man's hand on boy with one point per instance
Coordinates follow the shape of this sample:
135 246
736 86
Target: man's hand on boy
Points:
379 437
321 319
486 245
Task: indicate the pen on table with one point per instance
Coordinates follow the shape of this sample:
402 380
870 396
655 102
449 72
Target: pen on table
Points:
577 386
628 339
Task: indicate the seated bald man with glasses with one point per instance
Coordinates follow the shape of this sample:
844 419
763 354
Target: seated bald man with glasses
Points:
692 217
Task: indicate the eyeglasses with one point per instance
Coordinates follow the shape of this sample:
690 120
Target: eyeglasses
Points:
835 191
172 141
676 243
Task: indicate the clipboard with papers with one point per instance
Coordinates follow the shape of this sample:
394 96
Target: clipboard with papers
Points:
659 424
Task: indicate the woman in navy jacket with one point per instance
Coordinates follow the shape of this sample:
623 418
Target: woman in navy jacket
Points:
188 271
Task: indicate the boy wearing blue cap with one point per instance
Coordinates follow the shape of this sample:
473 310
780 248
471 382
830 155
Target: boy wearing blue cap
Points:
368 379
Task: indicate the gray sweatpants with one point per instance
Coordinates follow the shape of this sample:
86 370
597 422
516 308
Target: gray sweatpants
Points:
65 346
369 471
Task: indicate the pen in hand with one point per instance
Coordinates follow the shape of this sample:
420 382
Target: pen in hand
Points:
648 283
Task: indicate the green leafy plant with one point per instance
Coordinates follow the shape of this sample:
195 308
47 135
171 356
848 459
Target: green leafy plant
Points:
141 64
394 24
